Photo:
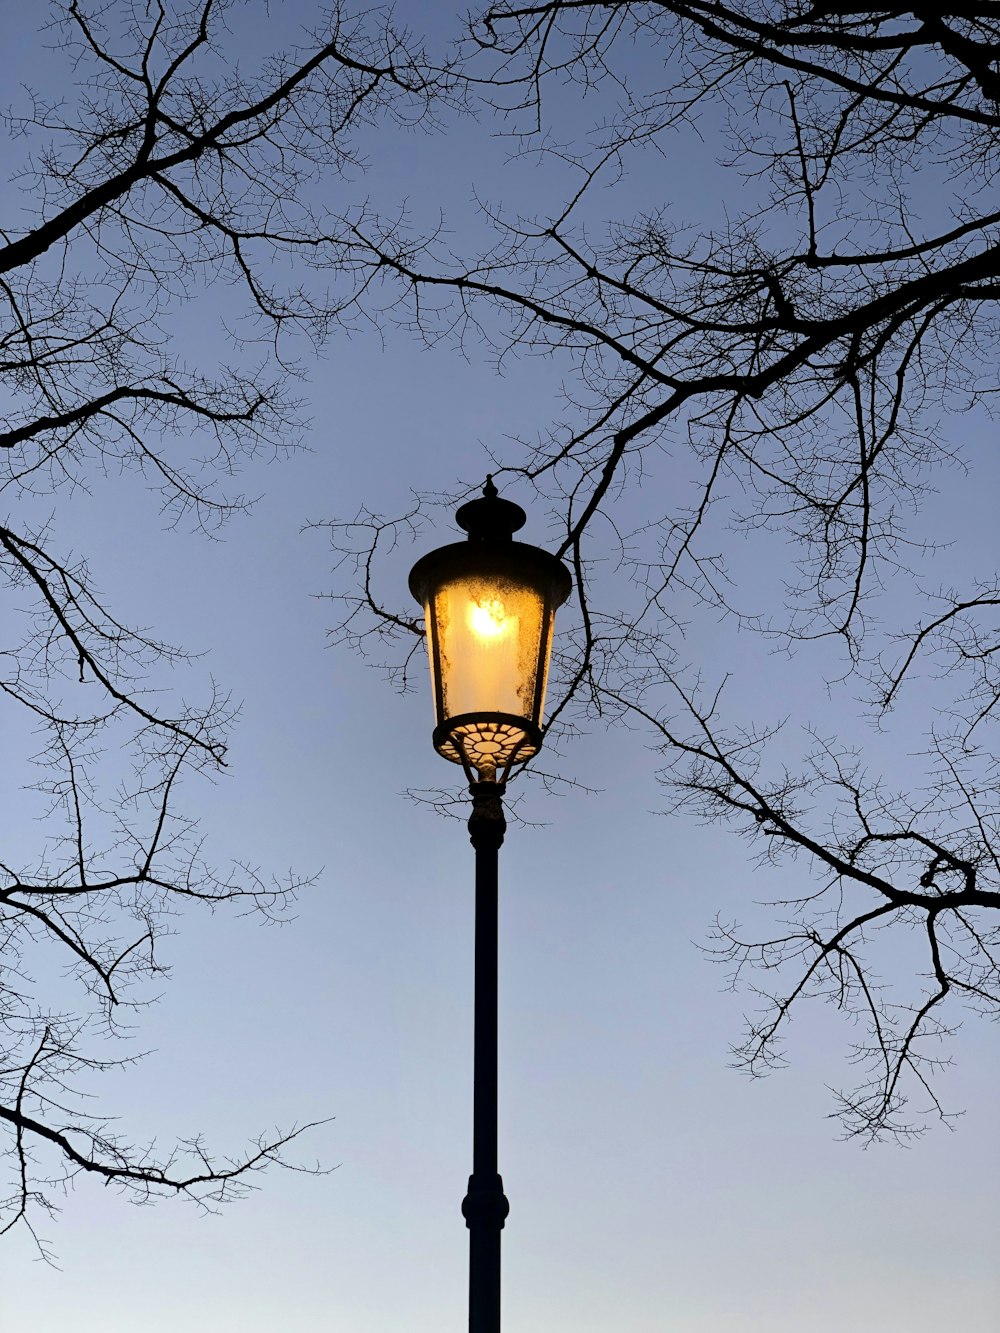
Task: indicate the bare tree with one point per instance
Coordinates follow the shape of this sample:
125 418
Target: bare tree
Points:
792 353
167 168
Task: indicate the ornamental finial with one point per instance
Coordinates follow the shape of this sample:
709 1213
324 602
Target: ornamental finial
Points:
490 519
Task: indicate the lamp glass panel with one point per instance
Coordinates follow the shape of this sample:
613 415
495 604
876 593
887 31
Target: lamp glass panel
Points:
490 635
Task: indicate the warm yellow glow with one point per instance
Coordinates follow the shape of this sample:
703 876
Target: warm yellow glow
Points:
489 640
489 619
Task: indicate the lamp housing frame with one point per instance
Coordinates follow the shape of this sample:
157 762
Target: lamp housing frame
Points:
490 555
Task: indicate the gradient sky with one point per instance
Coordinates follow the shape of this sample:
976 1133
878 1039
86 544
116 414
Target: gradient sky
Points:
652 1188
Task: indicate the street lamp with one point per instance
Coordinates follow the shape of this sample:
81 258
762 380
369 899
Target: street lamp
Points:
489 606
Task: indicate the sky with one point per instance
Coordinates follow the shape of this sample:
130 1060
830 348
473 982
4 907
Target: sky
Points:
653 1188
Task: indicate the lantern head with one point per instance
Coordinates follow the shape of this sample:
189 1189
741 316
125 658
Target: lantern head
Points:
489 605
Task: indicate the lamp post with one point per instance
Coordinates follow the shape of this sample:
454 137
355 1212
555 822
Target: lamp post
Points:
489 606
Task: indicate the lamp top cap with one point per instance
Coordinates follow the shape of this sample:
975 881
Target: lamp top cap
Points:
490 519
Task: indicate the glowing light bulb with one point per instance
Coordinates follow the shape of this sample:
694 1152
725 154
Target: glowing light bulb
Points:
488 619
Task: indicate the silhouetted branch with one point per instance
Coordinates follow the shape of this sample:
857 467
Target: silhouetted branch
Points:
161 167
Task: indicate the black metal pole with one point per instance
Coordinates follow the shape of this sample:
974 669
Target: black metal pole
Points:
485 1206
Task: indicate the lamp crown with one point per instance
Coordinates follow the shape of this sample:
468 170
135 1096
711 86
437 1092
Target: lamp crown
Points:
490 519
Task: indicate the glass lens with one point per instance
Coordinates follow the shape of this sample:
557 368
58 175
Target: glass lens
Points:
490 635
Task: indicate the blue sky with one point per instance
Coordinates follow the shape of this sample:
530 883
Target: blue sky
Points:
652 1188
